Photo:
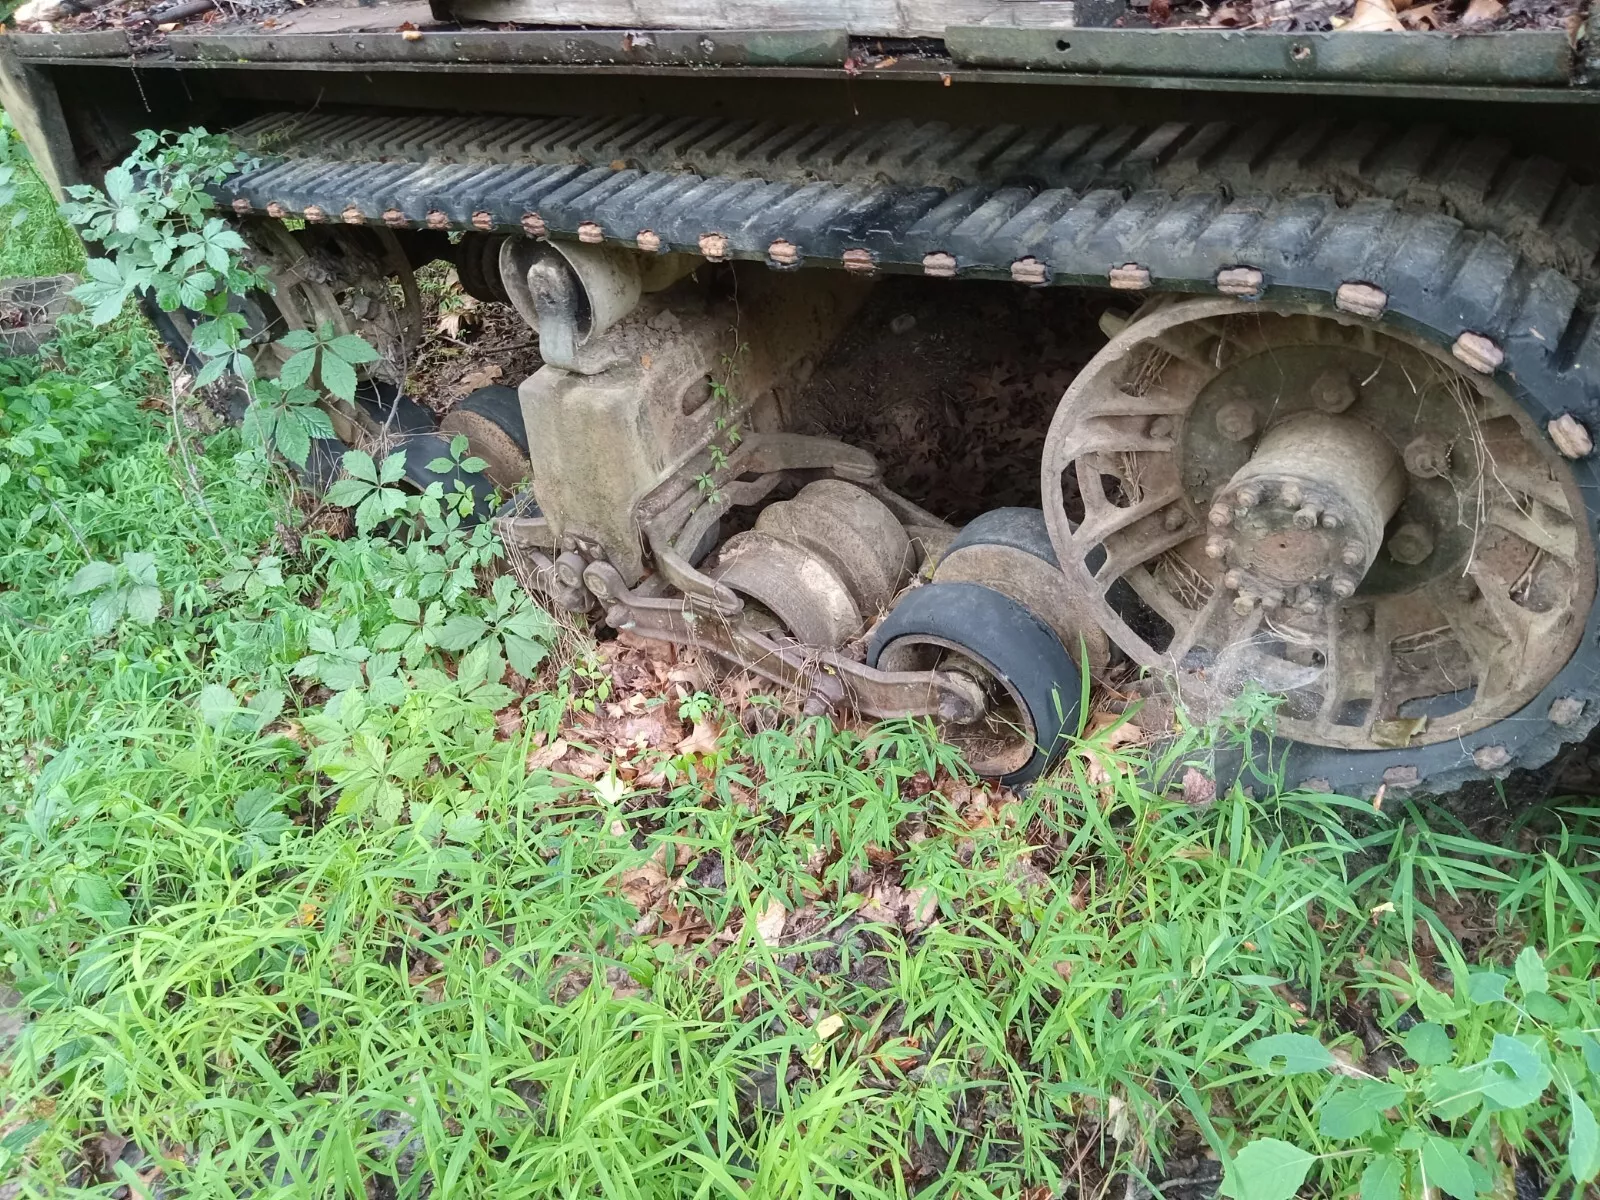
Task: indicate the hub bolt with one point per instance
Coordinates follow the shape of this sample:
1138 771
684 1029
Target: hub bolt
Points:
1248 496
1306 518
1343 586
1236 421
1334 391
1353 554
1243 604
1330 521
1221 515
1216 546
1232 580
1290 495
1427 456
1411 543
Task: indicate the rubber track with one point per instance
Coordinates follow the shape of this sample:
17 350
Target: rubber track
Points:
1183 203
1535 204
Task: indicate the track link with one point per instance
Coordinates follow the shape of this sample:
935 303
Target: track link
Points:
1454 238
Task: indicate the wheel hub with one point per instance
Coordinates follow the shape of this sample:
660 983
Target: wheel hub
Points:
1327 509
1303 519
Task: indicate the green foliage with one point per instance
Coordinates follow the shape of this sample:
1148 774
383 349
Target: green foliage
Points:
307 892
126 590
1489 1065
34 240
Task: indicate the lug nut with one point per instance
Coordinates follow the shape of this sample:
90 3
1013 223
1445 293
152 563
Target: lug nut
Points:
1216 547
1243 604
1353 554
1306 518
1232 580
1248 496
1411 543
1427 456
1236 421
1290 496
1330 521
1334 391
1175 519
1221 515
1343 586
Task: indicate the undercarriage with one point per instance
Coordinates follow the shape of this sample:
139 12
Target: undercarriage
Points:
1335 449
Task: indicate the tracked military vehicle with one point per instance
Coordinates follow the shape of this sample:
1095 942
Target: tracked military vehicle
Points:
1337 444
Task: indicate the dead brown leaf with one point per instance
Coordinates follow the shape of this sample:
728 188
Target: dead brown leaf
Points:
1373 15
1198 787
1481 12
703 740
482 377
547 756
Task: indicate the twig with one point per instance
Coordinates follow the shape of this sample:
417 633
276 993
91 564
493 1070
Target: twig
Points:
188 464
73 529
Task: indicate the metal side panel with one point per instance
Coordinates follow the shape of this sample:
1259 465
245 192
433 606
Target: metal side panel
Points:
1536 57
677 48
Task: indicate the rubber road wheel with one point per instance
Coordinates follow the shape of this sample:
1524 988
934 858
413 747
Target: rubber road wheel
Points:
966 626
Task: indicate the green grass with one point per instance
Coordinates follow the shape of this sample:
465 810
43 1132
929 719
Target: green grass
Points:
43 244
270 940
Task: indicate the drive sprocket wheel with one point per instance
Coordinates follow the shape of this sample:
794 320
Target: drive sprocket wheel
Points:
1338 512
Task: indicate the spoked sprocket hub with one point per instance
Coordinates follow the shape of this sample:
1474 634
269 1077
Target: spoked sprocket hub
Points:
356 280
1333 511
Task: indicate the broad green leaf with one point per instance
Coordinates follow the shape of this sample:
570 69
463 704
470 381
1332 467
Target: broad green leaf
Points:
90 577
394 468
474 466
292 441
299 339
217 705
297 370
1527 1080
1382 1178
1486 987
1531 973
440 466
405 609
1427 1044
1583 1150
143 604
461 631
524 654
1346 1114
338 376
353 349
1453 1093
1445 1168
1542 1006
358 464
347 492
1300 1054
1266 1169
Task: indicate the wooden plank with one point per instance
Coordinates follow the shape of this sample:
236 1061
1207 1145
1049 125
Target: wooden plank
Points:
862 18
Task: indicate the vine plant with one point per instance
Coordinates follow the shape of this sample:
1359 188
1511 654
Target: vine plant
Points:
415 560
160 240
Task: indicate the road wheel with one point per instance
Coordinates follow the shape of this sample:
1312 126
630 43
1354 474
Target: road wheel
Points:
1032 686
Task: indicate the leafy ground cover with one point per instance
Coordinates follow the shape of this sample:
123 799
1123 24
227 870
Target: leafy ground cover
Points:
331 866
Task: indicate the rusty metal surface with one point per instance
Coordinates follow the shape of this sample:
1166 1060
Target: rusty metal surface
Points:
1539 57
